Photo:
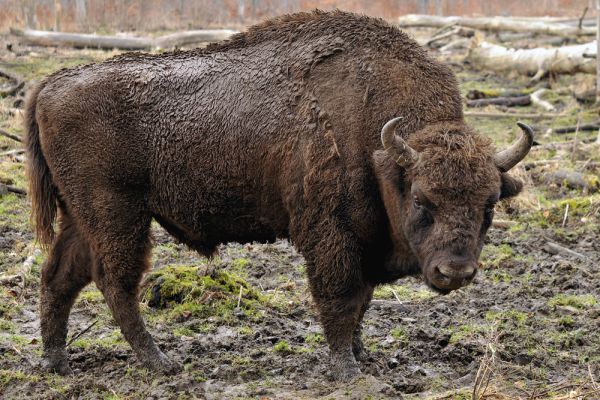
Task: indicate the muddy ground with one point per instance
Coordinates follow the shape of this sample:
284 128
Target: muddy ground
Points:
528 327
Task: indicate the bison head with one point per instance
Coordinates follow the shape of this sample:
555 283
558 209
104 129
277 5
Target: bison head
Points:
439 188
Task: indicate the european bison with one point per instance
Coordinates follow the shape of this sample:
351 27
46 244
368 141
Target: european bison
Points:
288 130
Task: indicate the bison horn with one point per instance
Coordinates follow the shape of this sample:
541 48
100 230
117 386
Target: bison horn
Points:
396 147
508 158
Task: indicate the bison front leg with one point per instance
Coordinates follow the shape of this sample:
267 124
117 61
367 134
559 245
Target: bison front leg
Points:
358 347
339 303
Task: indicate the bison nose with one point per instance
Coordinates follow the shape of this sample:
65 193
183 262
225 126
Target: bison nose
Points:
463 272
451 277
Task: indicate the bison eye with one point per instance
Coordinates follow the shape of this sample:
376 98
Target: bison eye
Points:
417 202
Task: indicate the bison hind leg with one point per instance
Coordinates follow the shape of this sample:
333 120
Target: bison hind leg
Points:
66 271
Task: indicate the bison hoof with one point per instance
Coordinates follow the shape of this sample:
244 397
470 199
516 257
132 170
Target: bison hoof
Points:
344 367
162 364
359 351
56 364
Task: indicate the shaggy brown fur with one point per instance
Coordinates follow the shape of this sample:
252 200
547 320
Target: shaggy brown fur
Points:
272 134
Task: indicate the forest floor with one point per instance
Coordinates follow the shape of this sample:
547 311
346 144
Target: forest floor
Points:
528 326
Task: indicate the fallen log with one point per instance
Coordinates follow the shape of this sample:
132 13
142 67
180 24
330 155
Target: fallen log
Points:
538 61
475 94
11 189
575 128
573 180
510 101
536 99
484 114
498 24
84 40
16 83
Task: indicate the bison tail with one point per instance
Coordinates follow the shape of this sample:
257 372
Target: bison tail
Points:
42 190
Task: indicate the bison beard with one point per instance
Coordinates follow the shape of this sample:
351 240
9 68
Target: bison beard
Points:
275 133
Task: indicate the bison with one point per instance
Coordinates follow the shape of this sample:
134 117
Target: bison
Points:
334 130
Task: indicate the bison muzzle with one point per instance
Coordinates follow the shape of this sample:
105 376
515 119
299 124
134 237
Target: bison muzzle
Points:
334 130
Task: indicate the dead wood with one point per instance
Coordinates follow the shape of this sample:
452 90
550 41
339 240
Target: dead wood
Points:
11 153
81 40
498 24
10 135
536 99
475 94
16 83
484 114
11 189
503 224
537 61
555 248
501 101
569 129
572 180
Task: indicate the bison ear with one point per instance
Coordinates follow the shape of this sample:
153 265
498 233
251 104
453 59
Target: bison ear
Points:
510 186
386 169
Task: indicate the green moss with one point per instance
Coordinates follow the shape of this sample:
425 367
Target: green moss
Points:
113 339
494 256
91 296
501 276
282 347
514 317
8 376
314 339
14 212
400 334
578 301
467 332
184 292
245 331
404 293
7 326
183 331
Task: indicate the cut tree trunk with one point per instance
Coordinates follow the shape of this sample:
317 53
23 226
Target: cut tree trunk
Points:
537 61
498 24
82 40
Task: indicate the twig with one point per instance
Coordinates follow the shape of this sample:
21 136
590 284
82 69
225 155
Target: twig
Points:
10 136
580 24
591 374
240 296
594 384
25 269
555 248
78 335
396 296
566 215
455 31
